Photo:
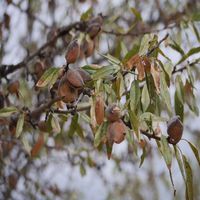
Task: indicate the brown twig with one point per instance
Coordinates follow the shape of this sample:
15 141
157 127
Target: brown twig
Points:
8 69
155 47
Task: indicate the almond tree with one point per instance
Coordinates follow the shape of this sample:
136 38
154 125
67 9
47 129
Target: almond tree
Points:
81 81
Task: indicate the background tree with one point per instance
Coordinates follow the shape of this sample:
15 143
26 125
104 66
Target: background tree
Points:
82 80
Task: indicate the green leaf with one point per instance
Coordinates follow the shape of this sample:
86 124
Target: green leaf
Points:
87 14
147 116
144 46
195 151
179 106
119 85
131 53
105 72
20 124
196 16
177 48
179 98
145 98
49 77
100 134
82 170
136 13
135 123
91 68
80 131
166 151
113 60
190 99
180 162
131 141
189 178
6 112
55 124
191 52
134 95
165 93
196 31
143 155
73 125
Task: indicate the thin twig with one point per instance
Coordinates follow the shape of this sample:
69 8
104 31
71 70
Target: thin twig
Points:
155 47
112 32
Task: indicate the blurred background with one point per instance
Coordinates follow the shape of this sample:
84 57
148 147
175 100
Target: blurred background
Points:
77 171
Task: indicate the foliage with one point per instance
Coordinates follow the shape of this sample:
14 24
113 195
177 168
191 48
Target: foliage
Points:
96 99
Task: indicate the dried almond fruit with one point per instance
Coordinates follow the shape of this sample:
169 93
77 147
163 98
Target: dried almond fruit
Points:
68 93
73 52
13 87
116 131
113 113
74 78
175 130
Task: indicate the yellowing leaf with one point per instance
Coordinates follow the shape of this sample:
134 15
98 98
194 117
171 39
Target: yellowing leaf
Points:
49 77
37 146
99 109
132 62
55 124
20 124
6 112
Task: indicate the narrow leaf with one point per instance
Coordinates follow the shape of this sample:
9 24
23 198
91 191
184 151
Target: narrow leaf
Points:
189 178
20 124
145 99
49 77
6 112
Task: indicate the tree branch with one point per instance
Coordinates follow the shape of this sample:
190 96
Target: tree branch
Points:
8 69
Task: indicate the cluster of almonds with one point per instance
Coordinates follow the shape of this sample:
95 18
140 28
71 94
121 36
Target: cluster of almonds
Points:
72 83
73 80
116 129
